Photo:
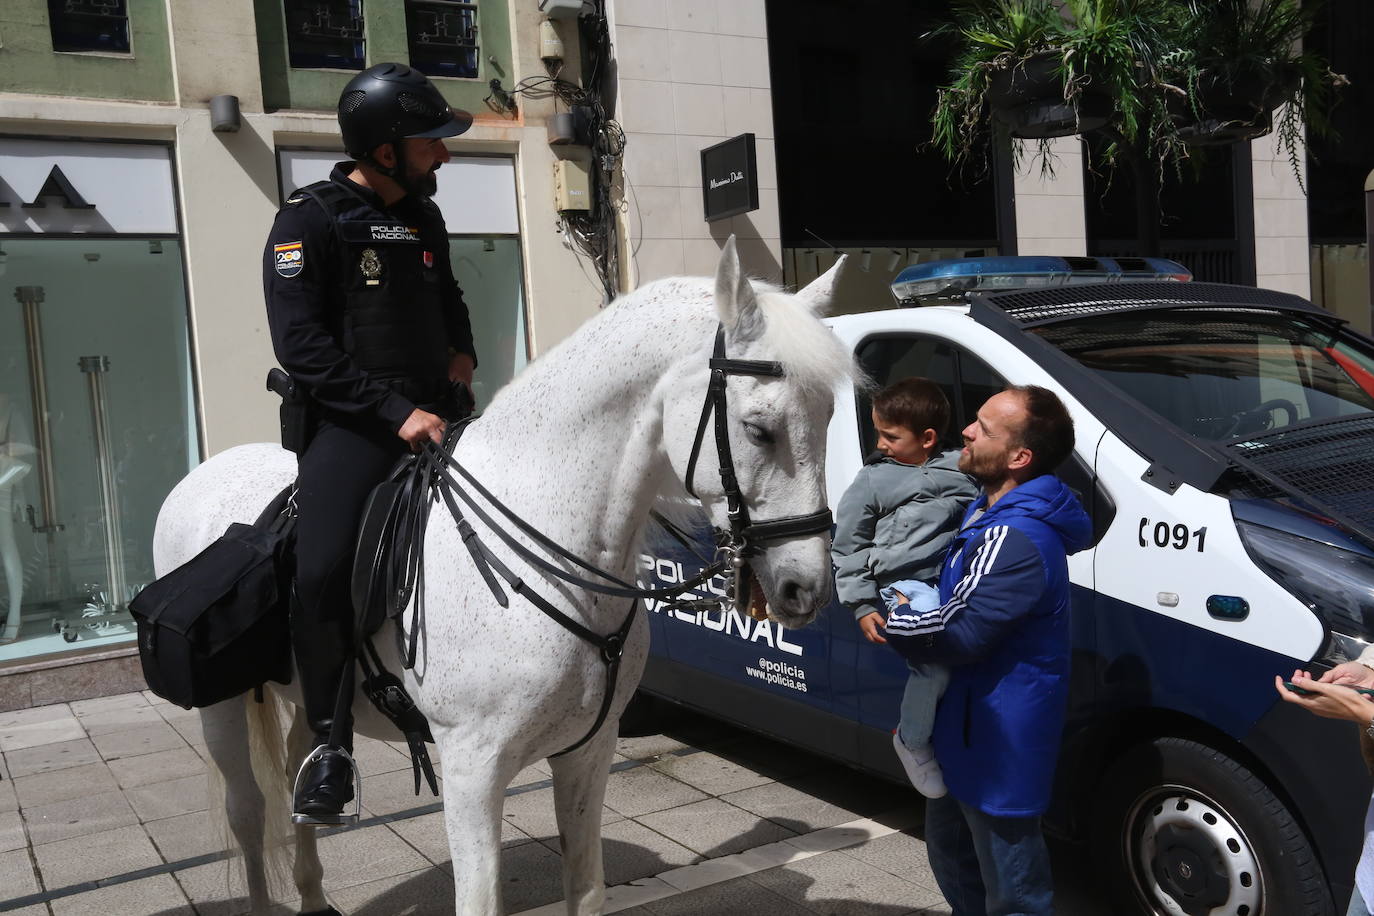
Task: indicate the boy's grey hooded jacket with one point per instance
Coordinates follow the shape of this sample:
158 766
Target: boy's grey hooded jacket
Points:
894 522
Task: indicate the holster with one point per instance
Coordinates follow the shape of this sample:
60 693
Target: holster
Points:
297 411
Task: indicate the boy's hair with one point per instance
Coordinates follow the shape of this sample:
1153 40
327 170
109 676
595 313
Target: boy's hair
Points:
1049 428
916 403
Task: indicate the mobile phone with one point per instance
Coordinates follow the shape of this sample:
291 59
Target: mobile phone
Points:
1367 691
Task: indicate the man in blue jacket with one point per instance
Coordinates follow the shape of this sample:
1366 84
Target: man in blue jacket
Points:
1003 626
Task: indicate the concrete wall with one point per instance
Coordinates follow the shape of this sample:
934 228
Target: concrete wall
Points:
692 75
1049 208
1281 243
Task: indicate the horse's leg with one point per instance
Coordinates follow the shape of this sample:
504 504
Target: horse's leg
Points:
473 796
579 788
307 872
226 738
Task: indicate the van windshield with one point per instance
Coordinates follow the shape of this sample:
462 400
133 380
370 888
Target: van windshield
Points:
1225 374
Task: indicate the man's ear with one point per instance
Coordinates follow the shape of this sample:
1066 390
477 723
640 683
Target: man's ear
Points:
385 155
1020 458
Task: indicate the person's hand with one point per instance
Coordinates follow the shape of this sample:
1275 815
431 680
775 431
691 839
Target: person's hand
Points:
902 599
1330 701
460 368
422 425
1351 673
872 624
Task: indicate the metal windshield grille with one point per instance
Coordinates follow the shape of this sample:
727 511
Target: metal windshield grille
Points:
1330 461
1051 304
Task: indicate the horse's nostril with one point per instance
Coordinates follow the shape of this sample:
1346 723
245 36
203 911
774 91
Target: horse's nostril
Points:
793 592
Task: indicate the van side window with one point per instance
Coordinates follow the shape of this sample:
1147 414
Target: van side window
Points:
966 380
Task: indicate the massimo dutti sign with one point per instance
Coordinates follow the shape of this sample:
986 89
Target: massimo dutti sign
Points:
729 178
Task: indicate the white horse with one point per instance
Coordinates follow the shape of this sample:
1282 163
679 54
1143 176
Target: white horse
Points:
583 444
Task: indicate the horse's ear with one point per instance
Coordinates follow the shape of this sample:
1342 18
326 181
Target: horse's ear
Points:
735 302
819 294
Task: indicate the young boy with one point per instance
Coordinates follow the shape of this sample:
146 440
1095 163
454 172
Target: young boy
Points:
892 527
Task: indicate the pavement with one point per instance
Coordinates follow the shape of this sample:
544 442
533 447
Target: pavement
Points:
103 811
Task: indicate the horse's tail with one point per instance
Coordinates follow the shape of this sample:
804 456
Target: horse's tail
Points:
266 754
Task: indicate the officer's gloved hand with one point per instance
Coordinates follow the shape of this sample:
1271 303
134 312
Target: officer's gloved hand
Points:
464 402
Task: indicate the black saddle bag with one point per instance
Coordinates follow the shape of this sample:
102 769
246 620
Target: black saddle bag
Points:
218 625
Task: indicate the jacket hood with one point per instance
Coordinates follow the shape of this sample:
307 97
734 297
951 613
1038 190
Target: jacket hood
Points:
1048 500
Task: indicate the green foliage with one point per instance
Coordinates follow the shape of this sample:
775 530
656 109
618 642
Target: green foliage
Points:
1153 61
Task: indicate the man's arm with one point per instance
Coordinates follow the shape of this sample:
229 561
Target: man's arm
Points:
856 519
1003 582
299 305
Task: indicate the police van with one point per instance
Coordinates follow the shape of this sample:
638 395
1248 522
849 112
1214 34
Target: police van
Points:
1225 451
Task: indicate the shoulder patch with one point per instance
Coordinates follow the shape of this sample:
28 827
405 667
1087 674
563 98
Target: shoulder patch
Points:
295 200
289 258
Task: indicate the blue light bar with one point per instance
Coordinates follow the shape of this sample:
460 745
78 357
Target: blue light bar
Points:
954 279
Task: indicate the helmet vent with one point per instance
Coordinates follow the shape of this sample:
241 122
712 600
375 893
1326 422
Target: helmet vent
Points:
351 101
415 105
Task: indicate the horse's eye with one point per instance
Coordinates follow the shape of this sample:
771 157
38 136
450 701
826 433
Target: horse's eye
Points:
757 434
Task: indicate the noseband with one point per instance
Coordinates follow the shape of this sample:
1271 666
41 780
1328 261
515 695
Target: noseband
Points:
744 538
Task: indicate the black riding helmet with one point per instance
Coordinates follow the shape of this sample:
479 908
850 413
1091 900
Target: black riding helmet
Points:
389 102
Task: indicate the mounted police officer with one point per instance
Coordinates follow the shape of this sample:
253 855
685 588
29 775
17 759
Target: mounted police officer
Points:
367 318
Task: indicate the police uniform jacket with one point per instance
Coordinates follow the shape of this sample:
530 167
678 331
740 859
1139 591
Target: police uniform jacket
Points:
362 304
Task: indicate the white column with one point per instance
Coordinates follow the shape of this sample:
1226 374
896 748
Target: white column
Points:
1049 209
1281 239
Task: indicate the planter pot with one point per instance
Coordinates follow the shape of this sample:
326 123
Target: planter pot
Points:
1230 107
1029 99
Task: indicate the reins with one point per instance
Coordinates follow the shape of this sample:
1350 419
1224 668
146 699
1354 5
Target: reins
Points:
435 467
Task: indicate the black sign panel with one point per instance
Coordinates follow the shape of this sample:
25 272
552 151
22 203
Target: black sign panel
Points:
729 178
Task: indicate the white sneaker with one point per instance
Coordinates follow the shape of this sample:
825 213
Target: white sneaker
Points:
925 774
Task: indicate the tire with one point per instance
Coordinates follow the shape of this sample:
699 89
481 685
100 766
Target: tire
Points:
1180 829
643 715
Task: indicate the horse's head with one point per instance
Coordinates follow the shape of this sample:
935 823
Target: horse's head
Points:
776 425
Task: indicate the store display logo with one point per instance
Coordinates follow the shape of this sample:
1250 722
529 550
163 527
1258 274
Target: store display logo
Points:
289 257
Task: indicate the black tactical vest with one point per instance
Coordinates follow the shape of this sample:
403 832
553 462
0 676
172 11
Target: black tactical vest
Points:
391 287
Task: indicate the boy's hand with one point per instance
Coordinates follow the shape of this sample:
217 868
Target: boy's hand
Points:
872 625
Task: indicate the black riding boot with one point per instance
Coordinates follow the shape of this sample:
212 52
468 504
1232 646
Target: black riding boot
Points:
324 786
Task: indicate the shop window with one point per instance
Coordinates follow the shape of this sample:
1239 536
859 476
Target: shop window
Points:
489 271
89 25
442 35
325 34
97 424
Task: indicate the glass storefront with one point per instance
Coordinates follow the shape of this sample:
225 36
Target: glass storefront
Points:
97 407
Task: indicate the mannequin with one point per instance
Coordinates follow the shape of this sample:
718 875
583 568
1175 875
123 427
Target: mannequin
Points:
12 470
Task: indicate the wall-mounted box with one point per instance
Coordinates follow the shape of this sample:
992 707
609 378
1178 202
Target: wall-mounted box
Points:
571 186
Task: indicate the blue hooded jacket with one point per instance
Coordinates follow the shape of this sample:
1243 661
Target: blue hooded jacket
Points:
1003 627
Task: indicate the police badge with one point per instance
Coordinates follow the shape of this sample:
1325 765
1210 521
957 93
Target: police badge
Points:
371 267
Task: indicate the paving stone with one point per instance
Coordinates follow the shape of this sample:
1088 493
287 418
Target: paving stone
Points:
359 856
16 874
185 836
642 790
34 715
647 747
374 757
35 734
532 813
132 772
159 895
715 828
51 757
535 772
632 851
189 728
60 785
119 719
839 884
12 832
9 801
217 889
106 704
168 799
77 817
135 742
738 897
427 892
38 909
531 875
709 773
390 793
428 834
791 807
97 855
900 854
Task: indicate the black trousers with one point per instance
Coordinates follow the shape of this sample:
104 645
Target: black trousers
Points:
336 474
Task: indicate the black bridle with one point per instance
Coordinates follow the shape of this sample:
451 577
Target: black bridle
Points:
435 468
744 537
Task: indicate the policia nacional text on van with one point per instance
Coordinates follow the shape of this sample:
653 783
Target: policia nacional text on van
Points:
367 318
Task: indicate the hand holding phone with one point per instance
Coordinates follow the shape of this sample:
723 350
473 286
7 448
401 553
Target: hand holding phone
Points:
1301 691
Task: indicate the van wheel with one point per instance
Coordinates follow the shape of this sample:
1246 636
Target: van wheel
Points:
1184 830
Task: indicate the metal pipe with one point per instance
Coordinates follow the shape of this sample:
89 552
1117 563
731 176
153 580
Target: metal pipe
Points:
95 368
29 297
